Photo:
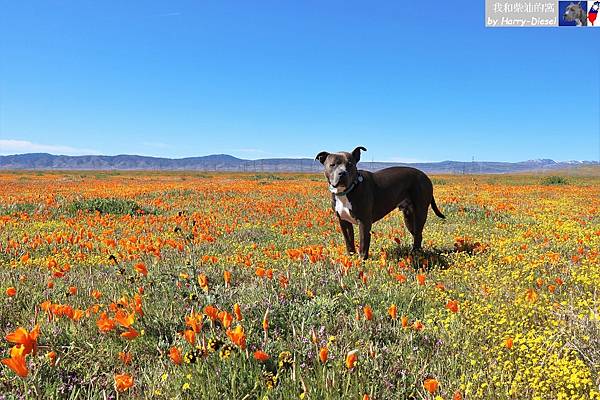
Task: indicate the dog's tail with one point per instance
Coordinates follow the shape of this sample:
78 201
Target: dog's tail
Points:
435 209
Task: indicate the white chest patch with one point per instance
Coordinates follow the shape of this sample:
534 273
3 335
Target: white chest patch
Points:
343 207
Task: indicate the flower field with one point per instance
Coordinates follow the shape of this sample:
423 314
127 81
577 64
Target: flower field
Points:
237 286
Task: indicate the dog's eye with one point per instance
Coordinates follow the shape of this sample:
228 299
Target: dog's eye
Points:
332 165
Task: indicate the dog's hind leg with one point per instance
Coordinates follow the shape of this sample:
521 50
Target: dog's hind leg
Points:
409 221
420 219
408 212
415 219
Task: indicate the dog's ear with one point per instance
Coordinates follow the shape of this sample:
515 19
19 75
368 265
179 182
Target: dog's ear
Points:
322 156
356 153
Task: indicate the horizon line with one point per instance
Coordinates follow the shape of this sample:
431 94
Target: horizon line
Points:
298 158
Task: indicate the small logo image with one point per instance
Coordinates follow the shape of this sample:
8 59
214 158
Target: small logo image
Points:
593 7
572 13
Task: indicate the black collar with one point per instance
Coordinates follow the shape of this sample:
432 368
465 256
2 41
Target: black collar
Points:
356 181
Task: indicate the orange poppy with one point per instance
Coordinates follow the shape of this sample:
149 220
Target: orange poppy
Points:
190 336
16 362
96 294
125 319
194 322
130 334
105 324
141 268
539 282
11 291
67 311
531 295
261 355
58 273
452 305
77 315
509 342
226 319
393 311
203 282
227 278
175 355
421 279
27 339
125 357
123 382
418 325
52 357
457 395
237 311
72 290
137 304
45 305
95 308
351 359
323 354
368 312
431 385
211 312
404 320
237 336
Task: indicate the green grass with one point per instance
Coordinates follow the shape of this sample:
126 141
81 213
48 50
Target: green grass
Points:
554 180
527 232
108 206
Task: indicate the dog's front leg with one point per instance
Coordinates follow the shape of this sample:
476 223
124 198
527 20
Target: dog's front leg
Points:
348 232
365 238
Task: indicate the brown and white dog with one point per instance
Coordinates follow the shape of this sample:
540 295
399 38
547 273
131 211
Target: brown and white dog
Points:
363 197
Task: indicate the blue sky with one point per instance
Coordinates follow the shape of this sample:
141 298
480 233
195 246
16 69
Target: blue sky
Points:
411 81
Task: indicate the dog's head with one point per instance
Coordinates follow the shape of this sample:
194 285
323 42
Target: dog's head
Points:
340 168
573 11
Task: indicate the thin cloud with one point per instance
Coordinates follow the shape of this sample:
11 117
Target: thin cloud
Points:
13 146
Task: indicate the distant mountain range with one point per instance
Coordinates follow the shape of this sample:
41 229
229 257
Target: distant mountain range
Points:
225 162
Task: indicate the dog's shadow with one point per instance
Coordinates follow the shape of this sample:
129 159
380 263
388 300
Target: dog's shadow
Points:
425 259
433 257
